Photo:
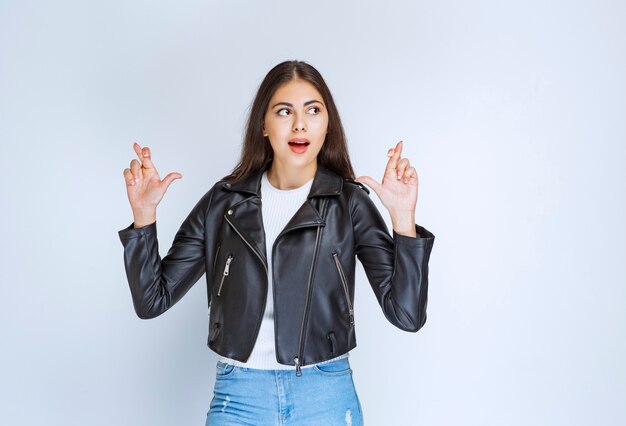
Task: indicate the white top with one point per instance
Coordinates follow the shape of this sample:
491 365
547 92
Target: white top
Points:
278 207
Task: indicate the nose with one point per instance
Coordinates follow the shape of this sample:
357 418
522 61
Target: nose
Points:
298 123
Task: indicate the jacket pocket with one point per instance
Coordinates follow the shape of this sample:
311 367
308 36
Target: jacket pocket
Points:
344 284
217 252
214 332
225 273
333 343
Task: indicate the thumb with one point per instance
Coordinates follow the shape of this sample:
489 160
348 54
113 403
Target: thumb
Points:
171 177
369 182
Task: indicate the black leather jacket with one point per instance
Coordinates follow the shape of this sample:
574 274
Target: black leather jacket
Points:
313 268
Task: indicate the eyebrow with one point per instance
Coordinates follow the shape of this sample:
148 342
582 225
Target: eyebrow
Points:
291 105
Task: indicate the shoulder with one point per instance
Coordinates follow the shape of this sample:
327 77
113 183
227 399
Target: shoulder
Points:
356 193
216 188
352 184
357 196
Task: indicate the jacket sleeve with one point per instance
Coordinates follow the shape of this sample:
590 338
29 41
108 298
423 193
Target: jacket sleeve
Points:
396 267
155 284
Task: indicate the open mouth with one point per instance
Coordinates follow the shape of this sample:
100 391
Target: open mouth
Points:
299 147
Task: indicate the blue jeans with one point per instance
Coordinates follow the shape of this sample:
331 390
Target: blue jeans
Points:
323 395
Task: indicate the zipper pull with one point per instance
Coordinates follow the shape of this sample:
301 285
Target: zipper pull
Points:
226 272
351 318
298 370
227 269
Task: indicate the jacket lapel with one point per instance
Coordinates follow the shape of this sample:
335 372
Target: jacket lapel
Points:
246 215
325 183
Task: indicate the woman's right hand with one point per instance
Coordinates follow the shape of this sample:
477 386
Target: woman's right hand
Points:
144 187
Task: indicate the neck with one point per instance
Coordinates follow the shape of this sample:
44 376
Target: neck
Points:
286 178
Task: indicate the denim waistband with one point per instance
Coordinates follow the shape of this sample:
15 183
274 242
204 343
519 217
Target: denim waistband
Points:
340 359
228 361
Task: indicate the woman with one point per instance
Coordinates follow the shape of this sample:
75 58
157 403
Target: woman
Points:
277 239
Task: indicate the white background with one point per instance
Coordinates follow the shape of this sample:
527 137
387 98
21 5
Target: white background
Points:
513 114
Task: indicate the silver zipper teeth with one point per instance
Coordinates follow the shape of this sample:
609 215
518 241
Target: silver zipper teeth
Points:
298 358
345 288
285 231
225 274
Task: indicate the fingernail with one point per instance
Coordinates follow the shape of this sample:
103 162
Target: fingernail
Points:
390 152
136 179
399 176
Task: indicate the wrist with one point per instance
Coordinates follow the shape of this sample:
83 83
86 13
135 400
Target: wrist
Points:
144 217
404 223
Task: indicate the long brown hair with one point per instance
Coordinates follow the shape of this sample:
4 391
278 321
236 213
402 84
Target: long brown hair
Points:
257 153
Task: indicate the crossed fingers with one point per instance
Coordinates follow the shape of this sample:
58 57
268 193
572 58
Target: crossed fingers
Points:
134 174
401 167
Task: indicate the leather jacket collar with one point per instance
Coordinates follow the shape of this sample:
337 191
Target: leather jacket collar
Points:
325 183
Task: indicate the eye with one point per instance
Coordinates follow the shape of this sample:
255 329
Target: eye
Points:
280 110
315 108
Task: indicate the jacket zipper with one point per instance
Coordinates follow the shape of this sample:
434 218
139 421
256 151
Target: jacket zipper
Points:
264 267
345 288
225 274
298 358
249 245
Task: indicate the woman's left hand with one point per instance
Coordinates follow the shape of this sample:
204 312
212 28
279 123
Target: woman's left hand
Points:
398 191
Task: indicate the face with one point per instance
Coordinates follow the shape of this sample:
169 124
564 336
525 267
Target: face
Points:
296 113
